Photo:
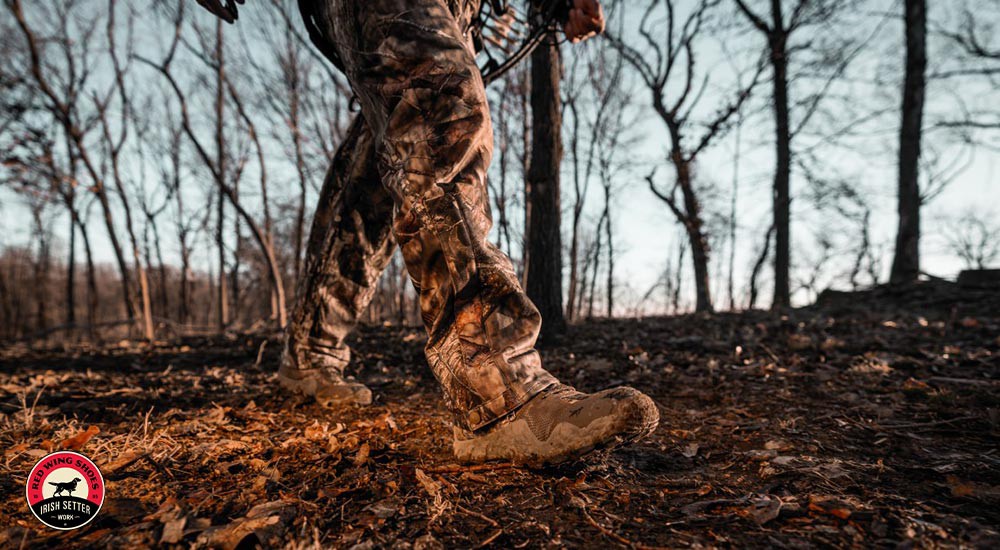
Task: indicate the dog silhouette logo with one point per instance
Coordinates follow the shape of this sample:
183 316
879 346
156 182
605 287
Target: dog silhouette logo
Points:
68 486
65 490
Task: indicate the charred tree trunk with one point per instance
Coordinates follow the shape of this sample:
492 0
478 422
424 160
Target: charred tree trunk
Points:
698 241
71 278
730 278
184 308
220 106
675 299
578 201
688 213
783 154
93 298
544 268
777 33
906 262
610 288
41 274
758 265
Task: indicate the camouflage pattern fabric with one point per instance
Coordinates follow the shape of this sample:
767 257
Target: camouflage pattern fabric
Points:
421 148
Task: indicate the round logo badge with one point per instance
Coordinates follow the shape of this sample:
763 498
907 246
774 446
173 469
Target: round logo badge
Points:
65 490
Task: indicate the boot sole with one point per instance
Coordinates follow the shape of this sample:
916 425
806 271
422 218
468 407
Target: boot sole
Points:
644 429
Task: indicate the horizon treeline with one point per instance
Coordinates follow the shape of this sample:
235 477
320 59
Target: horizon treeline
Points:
160 167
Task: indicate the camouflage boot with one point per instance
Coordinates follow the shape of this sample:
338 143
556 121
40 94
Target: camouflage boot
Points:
562 424
324 382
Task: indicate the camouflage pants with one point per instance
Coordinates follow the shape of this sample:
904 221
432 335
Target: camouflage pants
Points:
414 167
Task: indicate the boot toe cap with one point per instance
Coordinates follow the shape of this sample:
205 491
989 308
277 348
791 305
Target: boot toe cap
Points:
639 412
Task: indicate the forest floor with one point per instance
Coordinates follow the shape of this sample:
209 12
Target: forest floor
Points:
825 427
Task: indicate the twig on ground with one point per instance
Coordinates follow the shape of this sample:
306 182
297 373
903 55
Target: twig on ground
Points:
477 514
487 519
611 534
490 539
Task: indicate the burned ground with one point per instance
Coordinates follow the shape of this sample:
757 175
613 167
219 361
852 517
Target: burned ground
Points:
833 427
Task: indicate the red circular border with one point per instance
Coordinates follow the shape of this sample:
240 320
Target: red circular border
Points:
94 494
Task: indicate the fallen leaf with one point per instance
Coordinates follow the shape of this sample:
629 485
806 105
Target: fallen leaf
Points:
77 442
777 445
830 344
173 530
681 434
362 455
690 450
960 488
799 342
16 449
830 506
914 385
427 542
598 364
761 454
765 508
316 431
263 526
384 509
432 487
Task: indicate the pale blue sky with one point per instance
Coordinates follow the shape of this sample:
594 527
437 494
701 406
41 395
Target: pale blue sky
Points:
646 234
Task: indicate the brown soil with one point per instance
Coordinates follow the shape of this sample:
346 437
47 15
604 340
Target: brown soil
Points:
808 430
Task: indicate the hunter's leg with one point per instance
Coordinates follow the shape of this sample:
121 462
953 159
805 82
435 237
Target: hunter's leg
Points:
412 66
413 70
349 245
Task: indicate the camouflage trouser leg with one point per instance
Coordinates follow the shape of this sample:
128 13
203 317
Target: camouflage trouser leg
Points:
412 66
349 245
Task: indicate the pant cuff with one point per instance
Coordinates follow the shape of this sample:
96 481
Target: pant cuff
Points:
507 402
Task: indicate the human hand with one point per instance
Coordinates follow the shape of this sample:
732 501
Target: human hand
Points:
586 19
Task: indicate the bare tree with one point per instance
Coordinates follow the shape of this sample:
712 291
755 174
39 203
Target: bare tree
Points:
165 69
777 42
974 236
63 107
977 59
672 50
594 98
113 145
778 31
